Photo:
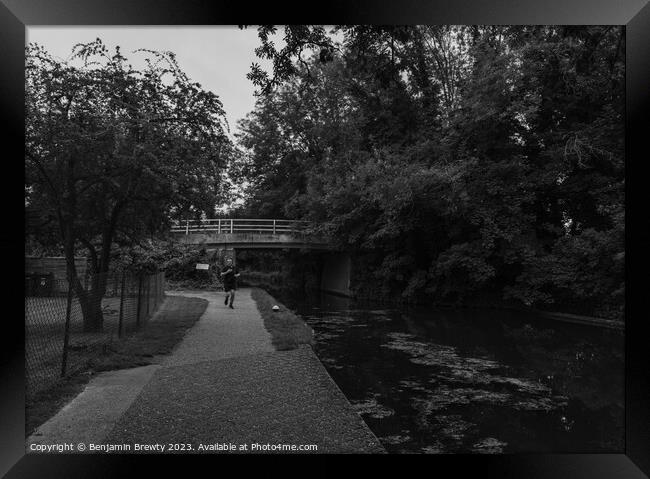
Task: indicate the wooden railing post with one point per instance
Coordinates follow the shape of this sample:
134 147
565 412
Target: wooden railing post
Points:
219 227
231 229
187 227
273 226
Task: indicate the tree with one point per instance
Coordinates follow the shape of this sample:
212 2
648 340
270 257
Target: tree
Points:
298 39
113 153
456 162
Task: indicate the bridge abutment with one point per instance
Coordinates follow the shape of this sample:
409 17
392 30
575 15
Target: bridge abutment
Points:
335 278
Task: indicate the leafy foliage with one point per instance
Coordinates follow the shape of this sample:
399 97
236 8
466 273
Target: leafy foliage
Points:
455 162
113 153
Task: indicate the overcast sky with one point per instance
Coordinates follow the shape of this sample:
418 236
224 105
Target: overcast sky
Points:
218 57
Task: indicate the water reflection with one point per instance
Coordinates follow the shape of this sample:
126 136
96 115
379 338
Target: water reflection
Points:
440 381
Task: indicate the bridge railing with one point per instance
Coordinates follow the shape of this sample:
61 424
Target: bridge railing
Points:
233 225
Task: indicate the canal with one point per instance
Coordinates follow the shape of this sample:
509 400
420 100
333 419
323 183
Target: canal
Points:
471 381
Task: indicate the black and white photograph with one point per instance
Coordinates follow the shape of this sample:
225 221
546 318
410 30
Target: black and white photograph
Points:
325 239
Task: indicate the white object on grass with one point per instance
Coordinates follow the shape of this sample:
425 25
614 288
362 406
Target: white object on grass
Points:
276 308
202 266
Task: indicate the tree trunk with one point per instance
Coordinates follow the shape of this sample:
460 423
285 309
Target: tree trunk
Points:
91 303
89 295
93 319
90 306
91 299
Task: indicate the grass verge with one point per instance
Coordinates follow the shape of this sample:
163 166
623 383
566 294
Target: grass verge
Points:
287 330
158 338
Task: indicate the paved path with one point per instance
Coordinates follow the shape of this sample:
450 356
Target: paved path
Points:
283 397
90 416
222 332
225 383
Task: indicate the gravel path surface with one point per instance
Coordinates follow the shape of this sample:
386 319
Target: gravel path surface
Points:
222 332
93 413
223 384
91 416
283 397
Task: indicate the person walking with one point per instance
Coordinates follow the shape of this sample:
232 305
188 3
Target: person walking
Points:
229 276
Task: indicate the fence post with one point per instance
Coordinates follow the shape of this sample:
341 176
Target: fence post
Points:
273 226
66 334
148 287
187 227
119 327
219 226
151 286
137 315
231 226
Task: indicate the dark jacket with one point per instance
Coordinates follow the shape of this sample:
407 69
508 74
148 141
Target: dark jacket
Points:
229 279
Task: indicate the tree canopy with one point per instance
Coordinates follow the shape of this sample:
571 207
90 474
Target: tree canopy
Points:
113 153
456 162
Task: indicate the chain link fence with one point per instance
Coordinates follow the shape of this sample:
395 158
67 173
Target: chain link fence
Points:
64 330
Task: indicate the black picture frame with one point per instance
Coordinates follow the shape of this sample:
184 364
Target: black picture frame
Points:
15 15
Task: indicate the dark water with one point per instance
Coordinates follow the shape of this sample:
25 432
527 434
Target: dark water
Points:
479 381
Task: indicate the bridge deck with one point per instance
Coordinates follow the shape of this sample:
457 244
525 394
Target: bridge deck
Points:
251 234
239 225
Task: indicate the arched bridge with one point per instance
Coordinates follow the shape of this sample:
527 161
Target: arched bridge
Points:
250 234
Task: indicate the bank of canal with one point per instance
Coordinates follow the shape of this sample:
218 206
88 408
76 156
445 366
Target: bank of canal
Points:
479 381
